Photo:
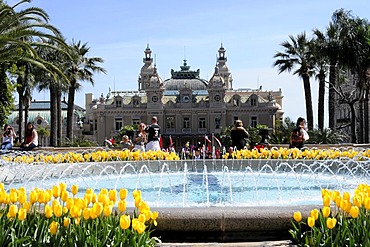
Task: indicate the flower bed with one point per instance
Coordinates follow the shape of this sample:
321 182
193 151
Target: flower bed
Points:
57 217
342 221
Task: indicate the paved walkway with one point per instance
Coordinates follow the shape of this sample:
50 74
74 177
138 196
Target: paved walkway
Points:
241 244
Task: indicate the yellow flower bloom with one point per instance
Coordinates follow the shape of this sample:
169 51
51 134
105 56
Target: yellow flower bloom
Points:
331 222
54 227
58 210
314 213
326 200
354 212
48 211
123 194
22 214
311 221
142 218
56 191
113 195
124 222
297 216
107 211
326 211
74 189
13 196
66 221
121 205
86 213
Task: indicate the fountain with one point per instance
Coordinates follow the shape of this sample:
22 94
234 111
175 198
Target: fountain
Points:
212 199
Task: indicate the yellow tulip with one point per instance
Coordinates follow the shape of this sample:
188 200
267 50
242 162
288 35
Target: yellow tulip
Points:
326 200
346 196
297 216
63 186
331 222
75 211
54 227
86 213
13 196
354 212
64 196
2 186
13 210
121 205
124 222
56 191
74 189
58 210
314 213
107 211
97 208
123 194
48 211
326 211
113 195
66 221
22 214
311 221
142 218
33 197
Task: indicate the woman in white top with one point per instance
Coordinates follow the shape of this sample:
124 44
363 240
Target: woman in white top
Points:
140 138
8 138
31 139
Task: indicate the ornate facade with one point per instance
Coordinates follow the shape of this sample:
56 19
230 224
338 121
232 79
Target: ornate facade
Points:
187 106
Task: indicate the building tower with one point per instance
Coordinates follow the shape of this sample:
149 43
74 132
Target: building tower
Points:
147 70
223 69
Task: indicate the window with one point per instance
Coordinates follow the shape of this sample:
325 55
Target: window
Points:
118 103
136 102
253 122
170 122
253 102
202 123
96 124
118 123
155 98
186 124
217 97
136 121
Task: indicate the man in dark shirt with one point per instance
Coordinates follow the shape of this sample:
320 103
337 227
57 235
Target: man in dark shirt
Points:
154 134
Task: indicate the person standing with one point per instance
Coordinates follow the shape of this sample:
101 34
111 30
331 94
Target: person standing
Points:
239 135
154 133
140 138
8 138
299 134
31 139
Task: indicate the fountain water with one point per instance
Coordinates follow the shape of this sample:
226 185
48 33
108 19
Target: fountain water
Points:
212 199
201 183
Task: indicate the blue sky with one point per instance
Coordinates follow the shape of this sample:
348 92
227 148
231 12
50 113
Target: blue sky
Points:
251 32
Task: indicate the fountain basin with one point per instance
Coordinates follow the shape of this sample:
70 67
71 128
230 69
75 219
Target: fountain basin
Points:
204 221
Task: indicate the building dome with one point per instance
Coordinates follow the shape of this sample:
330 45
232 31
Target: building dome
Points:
185 78
216 79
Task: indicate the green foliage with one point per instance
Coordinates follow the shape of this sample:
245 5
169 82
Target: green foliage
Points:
80 142
325 136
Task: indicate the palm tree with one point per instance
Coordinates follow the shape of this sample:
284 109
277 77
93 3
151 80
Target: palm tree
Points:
80 68
22 31
297 53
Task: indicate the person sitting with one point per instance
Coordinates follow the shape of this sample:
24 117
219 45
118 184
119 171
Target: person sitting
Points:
299 134
197 154
126 143
8 138
239 135
31 139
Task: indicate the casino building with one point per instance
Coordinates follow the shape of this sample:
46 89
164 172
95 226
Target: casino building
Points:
187 106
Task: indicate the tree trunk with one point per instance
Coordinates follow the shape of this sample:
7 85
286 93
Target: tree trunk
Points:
53 115
331 104
71 98
59 117
308 98
361 120
353 122
366 116
321 105
20 91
